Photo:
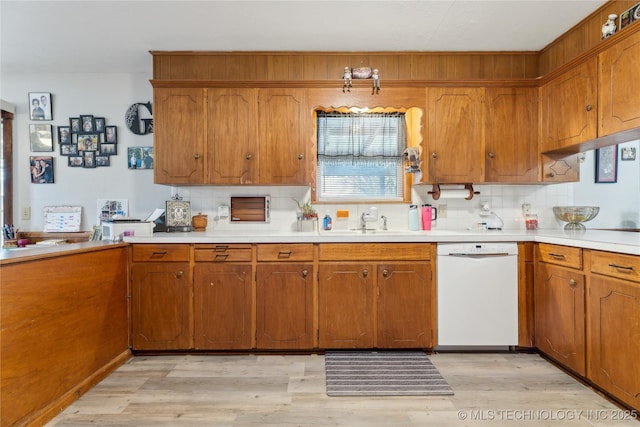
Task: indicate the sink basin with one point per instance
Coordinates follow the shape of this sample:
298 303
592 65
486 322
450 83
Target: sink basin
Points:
365 232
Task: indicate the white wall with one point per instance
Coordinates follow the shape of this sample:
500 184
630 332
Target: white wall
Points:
109 96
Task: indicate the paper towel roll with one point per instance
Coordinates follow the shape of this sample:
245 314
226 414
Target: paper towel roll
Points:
454 194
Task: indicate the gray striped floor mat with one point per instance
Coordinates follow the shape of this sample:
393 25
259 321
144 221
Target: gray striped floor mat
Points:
383 373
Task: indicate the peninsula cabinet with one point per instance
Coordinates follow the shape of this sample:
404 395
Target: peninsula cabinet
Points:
383 297
284 296
510 135
178 135
613 321
223 297
568 113
455 134
559 301
619 94
161 297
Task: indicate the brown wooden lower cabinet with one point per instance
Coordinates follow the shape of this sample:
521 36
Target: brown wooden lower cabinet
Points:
560 315
161 306
614 337
374 302
223 304
284 305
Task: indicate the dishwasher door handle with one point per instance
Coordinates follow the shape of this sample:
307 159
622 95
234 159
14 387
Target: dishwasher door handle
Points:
492 255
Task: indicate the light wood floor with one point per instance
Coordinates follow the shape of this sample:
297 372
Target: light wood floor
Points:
510 389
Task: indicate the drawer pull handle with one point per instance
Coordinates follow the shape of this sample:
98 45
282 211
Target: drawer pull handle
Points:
305 273
621 267
557 256
179 274
365 273
284 254
159 253
385 273
220 248
221 257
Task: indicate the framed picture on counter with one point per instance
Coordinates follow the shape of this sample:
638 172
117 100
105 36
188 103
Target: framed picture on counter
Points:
607 165
178 213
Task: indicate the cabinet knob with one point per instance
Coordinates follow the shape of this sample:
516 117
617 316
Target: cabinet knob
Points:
365 273
434 155
248 157
300 157
551 174
196 156
179 274
305 273
572 283
385 273
491 154
589 107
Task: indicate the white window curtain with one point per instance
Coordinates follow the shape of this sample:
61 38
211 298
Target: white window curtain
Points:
360 156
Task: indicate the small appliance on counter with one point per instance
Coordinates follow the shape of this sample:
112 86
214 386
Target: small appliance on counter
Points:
126 226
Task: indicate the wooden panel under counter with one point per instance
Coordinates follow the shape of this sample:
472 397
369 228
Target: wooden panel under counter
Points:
565 256
63 329
375 251
626 267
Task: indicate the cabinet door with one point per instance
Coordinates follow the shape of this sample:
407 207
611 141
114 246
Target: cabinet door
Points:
346 305
618 89
284 306
455 134
161 306
406 305
178 136
223 306
284 150
232 136
559 315
614 329
568 108
511 137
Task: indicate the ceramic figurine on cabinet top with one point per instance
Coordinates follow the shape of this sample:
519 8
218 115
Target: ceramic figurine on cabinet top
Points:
346 80
376 81
609 27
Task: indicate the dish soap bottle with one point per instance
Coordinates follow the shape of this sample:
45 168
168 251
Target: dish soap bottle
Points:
326 222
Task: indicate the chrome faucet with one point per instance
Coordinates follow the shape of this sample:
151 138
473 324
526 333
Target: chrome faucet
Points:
371 215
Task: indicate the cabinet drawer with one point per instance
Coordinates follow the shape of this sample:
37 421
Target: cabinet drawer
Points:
375 252
284 252
625 267
153 252
223 253
560 255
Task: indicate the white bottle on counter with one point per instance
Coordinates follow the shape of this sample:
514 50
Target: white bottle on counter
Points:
414 218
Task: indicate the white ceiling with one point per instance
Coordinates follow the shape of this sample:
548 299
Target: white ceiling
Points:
116 36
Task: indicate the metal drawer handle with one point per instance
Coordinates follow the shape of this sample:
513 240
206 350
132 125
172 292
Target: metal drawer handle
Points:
621 267
220 248
158 254
557 256
284 254
221 257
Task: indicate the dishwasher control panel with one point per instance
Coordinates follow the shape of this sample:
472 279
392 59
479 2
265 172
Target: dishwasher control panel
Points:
505 248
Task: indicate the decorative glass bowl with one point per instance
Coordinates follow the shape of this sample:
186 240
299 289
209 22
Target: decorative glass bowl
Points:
574 216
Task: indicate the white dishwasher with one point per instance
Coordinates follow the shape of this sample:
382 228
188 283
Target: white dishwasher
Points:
477 285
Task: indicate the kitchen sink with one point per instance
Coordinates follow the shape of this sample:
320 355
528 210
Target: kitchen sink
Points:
352 231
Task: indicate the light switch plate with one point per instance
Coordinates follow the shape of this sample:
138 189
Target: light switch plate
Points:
223 211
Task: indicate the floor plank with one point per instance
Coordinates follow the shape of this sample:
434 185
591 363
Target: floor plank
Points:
275 390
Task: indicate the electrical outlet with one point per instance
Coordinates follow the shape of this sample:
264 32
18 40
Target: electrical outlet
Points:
26 213
442 211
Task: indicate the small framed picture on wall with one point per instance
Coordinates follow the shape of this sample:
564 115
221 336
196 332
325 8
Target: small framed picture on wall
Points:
607 164
40 137
41 169
40 106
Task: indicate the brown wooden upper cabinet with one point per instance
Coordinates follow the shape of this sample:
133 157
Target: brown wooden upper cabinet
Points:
511 137
455 132
568 111
229 136
619 86
179 137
